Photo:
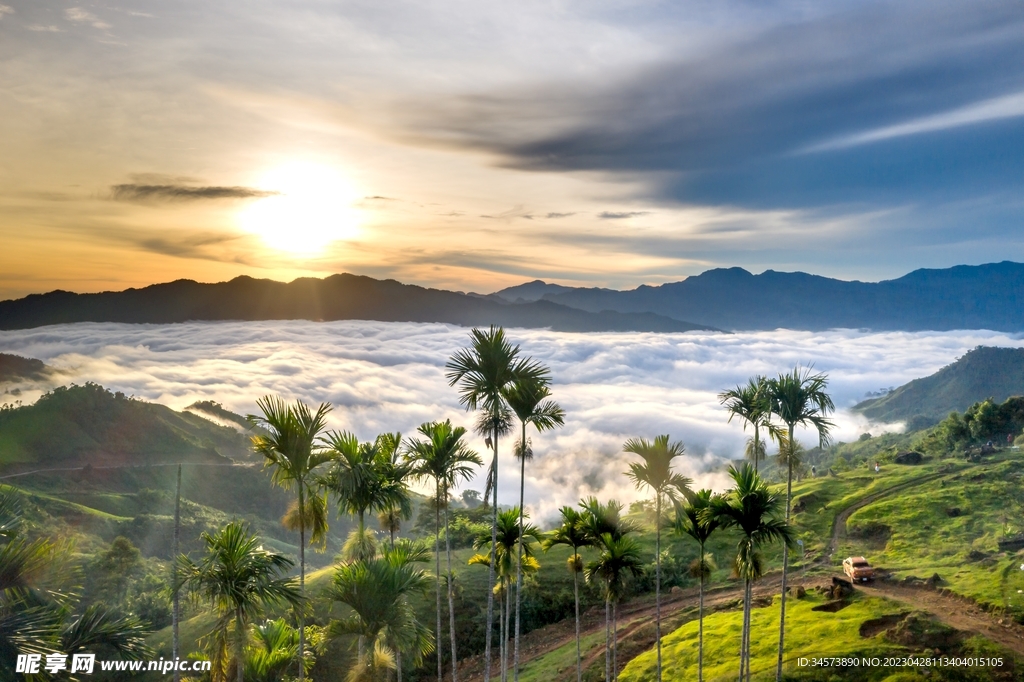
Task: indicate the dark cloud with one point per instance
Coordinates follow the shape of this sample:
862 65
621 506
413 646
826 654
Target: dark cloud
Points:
559 215
619 215
733 122
137 192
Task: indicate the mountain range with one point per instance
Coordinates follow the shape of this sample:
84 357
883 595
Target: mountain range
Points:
962 297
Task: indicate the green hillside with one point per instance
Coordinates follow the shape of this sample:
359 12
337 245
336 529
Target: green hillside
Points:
79 425
984 372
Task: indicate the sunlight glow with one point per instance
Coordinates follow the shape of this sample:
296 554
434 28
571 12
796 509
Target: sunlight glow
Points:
313 208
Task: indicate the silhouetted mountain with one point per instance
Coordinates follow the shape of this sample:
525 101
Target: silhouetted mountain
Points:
338 297
531 291
984 372
16 367
963 297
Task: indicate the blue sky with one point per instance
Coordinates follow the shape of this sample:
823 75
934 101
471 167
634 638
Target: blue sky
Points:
474 146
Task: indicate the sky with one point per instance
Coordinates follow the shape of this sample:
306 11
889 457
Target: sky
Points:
390 377
473 146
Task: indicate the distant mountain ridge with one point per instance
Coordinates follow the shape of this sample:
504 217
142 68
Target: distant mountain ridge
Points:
984 372
962 297
338 297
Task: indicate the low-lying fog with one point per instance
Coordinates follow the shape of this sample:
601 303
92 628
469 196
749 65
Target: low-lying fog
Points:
390 376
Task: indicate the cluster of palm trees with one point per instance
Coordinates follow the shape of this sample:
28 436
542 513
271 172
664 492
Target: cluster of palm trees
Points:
379 581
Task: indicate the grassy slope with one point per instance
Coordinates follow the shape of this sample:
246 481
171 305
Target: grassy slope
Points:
834 634
951 526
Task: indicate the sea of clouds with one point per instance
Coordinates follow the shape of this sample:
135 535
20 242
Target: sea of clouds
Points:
390 377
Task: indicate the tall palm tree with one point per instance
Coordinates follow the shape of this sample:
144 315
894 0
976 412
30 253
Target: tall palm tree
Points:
752 404
483 373
379 589
597 519
798 397
619 559
752 508
395 471
359 478
288 443
691 520
444 457
656 473
505 552
529 400
572 534
238 578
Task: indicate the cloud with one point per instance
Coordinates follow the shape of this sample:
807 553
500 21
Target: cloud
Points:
39 28
5 9
135 192
1008 106
619 215
81 16
390 376
559 215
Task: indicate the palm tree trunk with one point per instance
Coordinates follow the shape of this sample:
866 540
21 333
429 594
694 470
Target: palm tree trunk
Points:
451 593
750 610
437 573
576 594
494 544
785 562
657 578
508 628
240 651
700 619
176 613
398 664
519 562
615 640
607 640
302 583
744 627
757 447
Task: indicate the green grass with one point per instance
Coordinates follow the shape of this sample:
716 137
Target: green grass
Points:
807 633
560 660
950 526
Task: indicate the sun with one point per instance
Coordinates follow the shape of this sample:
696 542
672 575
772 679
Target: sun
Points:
311 207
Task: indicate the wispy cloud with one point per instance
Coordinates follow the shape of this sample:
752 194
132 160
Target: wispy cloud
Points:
133 192
5 9
81 16
39 28
994 109
382 376
620 215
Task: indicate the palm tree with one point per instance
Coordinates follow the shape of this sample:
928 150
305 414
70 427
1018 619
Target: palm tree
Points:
483 373
572 534
238 578
528 399
289 448
691 520
752 404
619 559
359 477
656 473
38 584
379 589
798 397
597 519
275 648
395 470
445 458
754 510
505 553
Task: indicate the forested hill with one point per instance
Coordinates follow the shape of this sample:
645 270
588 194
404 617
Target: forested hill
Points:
963 297
338 297
89 425
981 373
